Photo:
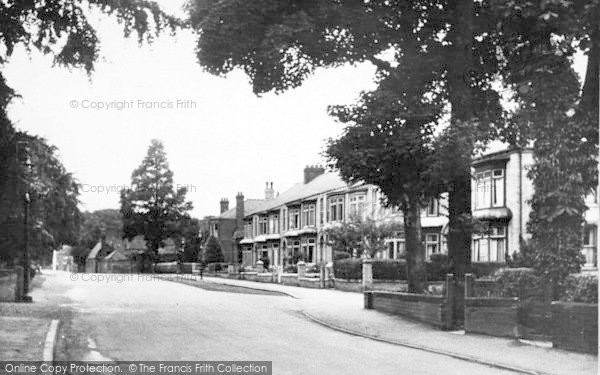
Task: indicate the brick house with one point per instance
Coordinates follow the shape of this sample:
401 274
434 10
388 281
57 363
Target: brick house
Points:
292 225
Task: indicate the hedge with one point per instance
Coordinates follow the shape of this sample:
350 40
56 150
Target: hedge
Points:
350 269
581 288
389 269
483 269
519 282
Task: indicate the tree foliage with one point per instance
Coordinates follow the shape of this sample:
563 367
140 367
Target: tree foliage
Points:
360 236
53 194
152 206
100 223
213 252
562 121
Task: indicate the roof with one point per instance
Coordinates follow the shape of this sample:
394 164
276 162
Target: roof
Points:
249 206
321 184
96 249
116 256
501 155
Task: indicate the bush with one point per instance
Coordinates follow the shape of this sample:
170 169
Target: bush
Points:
484 269
313 268
266 262
581 288
348 269
339 255
437 268
292 268
518 282
213 252
389 270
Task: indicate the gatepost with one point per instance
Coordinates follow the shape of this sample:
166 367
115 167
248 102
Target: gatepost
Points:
367 274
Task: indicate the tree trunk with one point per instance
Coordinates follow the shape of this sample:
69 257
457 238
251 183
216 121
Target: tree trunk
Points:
460 96
415 251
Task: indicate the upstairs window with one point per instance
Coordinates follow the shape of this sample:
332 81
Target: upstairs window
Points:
357 206
489 189
336 209
308 214
294 218
263 225
432 208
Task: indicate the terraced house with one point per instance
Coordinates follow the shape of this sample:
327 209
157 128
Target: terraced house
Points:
292 225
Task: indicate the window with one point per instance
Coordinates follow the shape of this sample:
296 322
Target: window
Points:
489 189
589 245
262 225
357 206
336 209
308 215
432 208
274 223
489 246
248 229
321 211
294 222
285 219
432 244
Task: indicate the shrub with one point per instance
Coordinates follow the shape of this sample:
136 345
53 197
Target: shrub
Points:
389 270
581 288
266 262
348 269
292 268
339 255
437 268
313 268
213 252
518 282
483 269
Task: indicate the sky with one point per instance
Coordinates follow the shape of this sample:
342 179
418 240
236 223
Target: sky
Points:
221 140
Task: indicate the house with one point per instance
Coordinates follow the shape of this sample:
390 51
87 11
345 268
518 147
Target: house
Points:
98 252
117 262
227 228
292 226
62 260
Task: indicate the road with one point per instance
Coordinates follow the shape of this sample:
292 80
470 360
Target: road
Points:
143 318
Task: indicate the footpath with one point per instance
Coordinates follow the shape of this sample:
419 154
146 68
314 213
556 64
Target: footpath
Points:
25 327
344 311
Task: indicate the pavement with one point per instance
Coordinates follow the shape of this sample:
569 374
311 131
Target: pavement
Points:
344 311
146 317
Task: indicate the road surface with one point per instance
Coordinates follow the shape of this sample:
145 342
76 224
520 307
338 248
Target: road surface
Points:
143 318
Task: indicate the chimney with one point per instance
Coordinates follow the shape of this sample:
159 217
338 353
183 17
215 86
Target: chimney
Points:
239 211
269 192
311 172
224 205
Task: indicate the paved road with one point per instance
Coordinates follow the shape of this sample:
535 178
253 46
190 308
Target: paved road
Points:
150 319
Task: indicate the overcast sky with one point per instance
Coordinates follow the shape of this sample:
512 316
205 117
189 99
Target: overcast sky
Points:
232 141
226 140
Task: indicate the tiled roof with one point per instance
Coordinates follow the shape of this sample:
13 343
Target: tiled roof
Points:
321 184
249 206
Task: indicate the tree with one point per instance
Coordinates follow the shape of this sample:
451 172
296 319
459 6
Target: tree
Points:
278 44
152 207
213 252
53 198
100 223
560 119
361 236
190 231
389 145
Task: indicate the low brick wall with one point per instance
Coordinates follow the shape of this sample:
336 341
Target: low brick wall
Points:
250 276
575 326
309 282
424 308
390 285
266 277
492 316
8 283
190 267
348 285
290 279
165 267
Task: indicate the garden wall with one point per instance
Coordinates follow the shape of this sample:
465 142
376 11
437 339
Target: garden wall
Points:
575 326
433 310
492 316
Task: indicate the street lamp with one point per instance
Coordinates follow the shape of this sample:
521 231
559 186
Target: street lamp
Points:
23 157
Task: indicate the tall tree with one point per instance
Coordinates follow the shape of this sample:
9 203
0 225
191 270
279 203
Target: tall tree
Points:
388 144
96 224
561 119
152 206
53 198
280 43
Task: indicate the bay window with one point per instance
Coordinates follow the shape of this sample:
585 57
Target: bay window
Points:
357 206
489 245
489 189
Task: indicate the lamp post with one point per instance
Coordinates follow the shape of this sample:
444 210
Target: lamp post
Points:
23 157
